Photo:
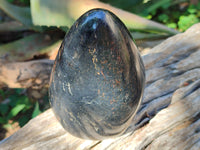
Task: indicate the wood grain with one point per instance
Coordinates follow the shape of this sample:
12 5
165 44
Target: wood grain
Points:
33 74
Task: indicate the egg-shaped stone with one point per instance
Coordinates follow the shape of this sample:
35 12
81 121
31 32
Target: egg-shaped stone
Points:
98 77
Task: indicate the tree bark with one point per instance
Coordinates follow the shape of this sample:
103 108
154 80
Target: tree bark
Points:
169 116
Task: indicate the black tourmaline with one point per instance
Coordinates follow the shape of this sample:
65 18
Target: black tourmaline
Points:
98 77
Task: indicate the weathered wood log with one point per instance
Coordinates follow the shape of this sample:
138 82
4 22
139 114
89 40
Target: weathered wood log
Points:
34 46
25 74
169 117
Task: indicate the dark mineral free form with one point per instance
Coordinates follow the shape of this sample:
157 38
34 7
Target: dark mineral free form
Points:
98 77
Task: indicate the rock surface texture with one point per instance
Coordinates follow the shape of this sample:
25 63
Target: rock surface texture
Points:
169 116
98 77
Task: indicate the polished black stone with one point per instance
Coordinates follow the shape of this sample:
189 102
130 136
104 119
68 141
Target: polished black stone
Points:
98 77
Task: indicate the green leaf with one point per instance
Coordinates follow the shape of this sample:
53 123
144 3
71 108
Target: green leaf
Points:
65 12
191 9
172 25
2 93
124 4
3 109
24 100
149 17
25 2
145 36
163 17
21 14
36 110
13 100
24 119
14 111
17 99
186 21
19 91
3 120
158 4
6 126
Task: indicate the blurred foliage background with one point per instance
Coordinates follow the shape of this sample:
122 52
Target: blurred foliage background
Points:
18 106
177 14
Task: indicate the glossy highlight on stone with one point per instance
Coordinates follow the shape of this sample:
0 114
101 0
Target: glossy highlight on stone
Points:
98 77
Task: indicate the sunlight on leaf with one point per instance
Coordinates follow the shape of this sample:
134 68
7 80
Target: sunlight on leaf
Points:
36 110
6 126
21 14
16 110
64 13
186 21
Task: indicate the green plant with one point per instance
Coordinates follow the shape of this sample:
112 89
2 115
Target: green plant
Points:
178 14
186 21
16 107
50 13
175 14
